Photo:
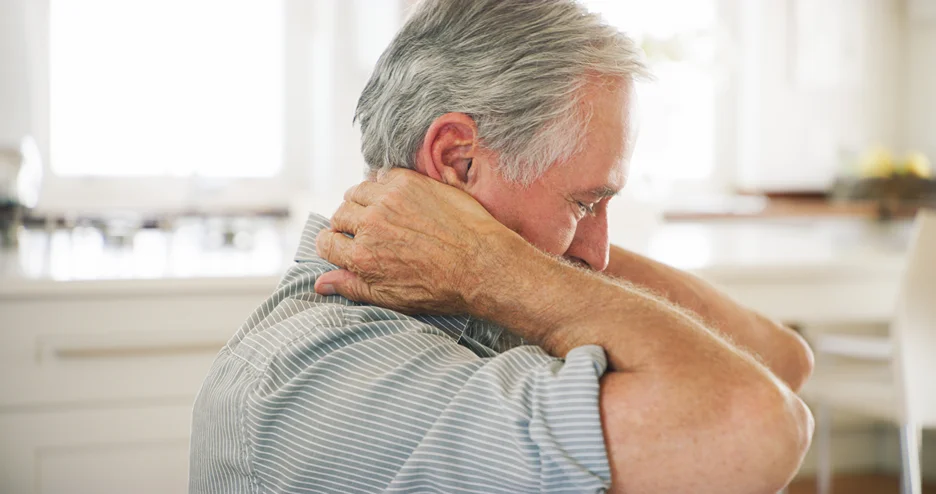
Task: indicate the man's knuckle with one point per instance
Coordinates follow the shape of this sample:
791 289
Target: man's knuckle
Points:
369 217
337 219
361 257
349 194
392 201
396 197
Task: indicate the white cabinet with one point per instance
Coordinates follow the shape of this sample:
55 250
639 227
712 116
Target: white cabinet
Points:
96 450
97 380
922 11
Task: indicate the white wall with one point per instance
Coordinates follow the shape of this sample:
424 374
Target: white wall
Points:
14 81
344 40
921 84
804 100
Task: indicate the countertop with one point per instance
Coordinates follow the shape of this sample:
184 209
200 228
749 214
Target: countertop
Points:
191 257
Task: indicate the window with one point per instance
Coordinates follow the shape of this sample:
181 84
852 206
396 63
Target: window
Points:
677 111
166 105
202 105
168 88
242 104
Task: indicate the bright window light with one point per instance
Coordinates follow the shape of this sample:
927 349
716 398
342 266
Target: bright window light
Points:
677 110
172 88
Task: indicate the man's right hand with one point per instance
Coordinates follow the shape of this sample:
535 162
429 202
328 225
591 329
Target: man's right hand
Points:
418 246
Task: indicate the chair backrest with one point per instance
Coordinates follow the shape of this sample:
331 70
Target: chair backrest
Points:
914 327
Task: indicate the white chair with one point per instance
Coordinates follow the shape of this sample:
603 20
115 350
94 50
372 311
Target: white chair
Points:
902 387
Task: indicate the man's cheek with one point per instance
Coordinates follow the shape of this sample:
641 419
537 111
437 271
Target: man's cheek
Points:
561 237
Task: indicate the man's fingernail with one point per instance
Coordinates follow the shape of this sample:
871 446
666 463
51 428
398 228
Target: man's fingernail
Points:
327 289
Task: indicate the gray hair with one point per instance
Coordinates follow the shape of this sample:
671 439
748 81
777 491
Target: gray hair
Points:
517 67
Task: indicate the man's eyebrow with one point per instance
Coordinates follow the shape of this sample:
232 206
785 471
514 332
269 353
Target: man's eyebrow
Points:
602 192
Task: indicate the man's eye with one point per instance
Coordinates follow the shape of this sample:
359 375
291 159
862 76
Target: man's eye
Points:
586 208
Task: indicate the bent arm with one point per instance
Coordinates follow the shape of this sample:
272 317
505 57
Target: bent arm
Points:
781 349
683 410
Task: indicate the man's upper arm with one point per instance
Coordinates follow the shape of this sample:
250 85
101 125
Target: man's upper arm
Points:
415 411
666 436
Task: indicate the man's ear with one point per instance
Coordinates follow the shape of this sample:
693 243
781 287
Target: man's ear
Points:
450 145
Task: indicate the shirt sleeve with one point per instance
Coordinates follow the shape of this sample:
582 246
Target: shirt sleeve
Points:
412 411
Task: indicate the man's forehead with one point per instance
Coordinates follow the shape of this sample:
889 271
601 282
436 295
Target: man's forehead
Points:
610 186
616 135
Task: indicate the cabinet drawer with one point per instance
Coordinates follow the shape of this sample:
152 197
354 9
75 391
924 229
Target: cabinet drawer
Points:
114 348
95 451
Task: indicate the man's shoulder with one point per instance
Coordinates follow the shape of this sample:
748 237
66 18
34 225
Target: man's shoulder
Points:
309 326
297 323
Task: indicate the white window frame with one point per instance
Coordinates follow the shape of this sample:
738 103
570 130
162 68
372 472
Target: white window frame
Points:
173 195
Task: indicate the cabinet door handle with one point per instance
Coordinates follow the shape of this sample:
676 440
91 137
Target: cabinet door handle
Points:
150 344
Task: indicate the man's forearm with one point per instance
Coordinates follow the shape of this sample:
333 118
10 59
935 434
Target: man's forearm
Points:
670 377
783 351
561 307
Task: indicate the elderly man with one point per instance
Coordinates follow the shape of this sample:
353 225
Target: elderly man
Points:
484 337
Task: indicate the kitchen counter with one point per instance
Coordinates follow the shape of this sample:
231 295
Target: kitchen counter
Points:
189 257
800 271
782 247
731 253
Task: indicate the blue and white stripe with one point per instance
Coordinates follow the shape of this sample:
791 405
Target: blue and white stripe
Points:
321 394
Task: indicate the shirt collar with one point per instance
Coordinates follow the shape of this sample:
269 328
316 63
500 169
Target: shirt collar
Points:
306 251
453 326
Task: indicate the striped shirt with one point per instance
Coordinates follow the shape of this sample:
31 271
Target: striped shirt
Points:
322 394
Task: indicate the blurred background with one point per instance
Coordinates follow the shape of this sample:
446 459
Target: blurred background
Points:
158 160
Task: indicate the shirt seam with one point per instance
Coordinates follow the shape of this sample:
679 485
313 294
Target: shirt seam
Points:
246 434
246 361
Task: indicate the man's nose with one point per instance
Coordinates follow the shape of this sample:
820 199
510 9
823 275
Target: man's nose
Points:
591 241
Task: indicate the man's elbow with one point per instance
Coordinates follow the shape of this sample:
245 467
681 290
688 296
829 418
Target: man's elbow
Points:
785 427
800 360
790 357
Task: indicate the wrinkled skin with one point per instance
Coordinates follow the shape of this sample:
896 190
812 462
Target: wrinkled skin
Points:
424 240
417 244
